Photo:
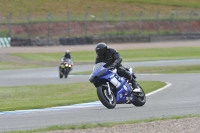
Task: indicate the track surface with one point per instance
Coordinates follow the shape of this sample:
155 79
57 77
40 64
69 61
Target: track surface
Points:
181 98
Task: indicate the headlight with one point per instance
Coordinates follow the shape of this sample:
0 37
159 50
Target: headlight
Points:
66 65
69 65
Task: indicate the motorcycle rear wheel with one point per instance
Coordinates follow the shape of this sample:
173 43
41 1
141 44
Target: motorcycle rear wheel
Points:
140 98
109 101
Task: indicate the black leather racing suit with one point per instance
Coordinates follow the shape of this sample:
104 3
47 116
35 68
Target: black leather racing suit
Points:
67 56
112 57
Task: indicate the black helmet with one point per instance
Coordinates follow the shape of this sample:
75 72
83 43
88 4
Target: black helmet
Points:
101 49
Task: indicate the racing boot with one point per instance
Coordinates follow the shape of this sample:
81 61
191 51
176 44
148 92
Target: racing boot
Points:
135 86
131 78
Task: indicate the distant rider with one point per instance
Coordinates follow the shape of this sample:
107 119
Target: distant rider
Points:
66 56
113 60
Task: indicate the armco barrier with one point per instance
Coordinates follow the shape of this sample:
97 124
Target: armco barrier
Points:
5 41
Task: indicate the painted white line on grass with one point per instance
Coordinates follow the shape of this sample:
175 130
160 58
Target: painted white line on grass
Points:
75 106
153 92
83 105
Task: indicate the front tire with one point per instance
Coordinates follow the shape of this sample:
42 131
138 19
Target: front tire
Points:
109 101
66 72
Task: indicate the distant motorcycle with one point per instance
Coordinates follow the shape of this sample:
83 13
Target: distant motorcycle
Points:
65 67
113 89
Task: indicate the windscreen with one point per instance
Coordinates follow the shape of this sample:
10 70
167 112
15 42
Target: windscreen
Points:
68 61
98 65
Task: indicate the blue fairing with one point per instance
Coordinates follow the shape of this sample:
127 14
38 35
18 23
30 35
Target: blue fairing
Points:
123 93
100 72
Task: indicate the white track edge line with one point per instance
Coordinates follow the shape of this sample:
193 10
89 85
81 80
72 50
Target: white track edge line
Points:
153 92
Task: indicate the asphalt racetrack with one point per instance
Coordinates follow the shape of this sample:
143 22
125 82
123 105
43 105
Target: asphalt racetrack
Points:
179 97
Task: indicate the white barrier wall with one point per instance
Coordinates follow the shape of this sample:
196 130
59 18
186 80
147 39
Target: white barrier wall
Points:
5 41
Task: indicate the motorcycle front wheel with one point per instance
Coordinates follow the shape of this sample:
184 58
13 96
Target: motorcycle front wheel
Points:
66 72
109 101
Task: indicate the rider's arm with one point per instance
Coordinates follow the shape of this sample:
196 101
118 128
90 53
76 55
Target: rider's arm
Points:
62 59
96 61
116 57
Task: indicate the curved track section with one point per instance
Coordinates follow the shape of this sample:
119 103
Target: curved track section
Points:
181 98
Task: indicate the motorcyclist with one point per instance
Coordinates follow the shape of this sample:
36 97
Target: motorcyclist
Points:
67 55
113 60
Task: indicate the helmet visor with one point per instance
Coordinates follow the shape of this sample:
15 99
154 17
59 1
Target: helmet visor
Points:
100 52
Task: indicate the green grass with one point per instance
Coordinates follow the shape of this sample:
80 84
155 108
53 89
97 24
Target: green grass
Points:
89 56
40 8
78 56
127 55
162 69
43 96
169 69
176 3
14 65
110 124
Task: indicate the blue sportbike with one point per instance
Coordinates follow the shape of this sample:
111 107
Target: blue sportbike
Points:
113 89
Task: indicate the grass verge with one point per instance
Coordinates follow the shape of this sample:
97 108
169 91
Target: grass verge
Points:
169 69
44 96
127 55
72 128
163 69
50 59
40 8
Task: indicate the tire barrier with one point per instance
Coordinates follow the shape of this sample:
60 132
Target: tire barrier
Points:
44 42
174 37
76 41
146 38
123 39
33 42
20 42
5 41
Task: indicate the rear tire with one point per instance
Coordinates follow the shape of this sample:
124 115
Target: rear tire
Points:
140 98
107 100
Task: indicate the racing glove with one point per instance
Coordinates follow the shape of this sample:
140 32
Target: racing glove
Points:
111 67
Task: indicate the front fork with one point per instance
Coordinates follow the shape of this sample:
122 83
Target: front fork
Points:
109 90
109 94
